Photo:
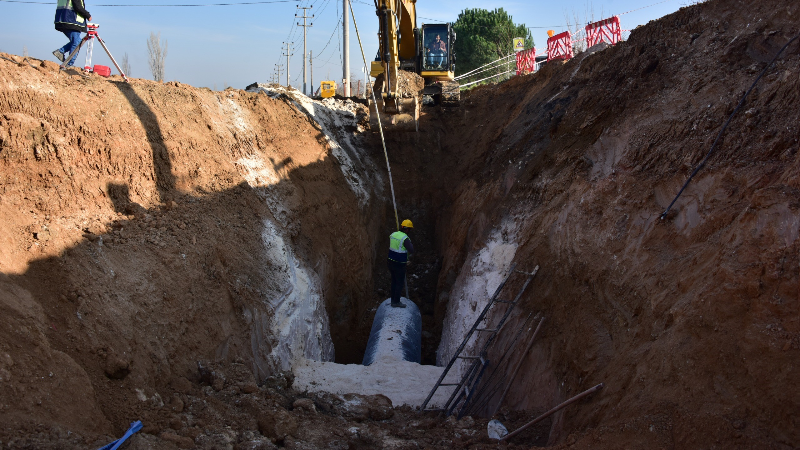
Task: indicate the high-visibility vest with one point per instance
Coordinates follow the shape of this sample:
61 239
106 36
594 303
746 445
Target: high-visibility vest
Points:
397 250
66 14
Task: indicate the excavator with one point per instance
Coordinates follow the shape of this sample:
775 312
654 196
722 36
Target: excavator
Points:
426 51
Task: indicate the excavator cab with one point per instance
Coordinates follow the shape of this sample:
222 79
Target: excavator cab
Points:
405 49
437 56
438 65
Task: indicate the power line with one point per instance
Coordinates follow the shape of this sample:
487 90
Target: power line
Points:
338 24
168 5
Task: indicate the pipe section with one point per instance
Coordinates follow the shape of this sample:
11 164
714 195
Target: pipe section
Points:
396 334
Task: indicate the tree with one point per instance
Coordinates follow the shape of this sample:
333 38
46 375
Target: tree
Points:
126 65
483 36
156 55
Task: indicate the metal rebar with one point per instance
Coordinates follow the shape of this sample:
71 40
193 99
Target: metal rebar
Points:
516 369
481 392
553 411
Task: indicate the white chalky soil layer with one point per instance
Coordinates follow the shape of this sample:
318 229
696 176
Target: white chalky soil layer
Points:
405 383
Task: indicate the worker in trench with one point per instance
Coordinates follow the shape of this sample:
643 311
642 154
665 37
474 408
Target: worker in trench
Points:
399 248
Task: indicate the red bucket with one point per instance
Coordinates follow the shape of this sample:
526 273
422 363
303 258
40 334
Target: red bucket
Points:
104 71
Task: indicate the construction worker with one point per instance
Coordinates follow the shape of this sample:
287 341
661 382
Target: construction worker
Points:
71 18
399 248
438 50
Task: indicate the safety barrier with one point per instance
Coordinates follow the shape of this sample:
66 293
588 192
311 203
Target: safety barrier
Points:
526 61
608 30
560 46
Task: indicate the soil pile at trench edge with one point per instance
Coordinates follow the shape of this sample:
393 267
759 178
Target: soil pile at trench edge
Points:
147 226
692 322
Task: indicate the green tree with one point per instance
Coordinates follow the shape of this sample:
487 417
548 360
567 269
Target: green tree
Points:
483 36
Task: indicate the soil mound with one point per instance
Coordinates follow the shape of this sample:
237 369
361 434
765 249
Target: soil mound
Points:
146 227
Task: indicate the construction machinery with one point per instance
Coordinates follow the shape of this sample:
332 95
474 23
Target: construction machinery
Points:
327 89
407 52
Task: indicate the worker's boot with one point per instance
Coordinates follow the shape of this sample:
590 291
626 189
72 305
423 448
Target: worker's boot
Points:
398 305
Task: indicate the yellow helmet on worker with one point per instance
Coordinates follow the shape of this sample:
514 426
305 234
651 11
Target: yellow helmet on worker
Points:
407 224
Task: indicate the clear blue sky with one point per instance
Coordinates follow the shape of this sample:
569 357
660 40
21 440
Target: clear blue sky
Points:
218 46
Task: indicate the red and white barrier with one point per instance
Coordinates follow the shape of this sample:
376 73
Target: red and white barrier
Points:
560 46
608 30
526 61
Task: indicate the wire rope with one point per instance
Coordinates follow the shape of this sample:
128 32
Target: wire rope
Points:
380 126
724 127
165 5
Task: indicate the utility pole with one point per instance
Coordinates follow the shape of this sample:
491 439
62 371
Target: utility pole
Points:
346 49
287 54
366 81
311 64
305 27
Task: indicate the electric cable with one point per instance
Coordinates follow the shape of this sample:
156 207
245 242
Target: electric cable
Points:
496 64
487 78
724 127
380 126
322 52
165 5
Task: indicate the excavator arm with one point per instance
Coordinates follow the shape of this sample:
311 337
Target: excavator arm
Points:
397 50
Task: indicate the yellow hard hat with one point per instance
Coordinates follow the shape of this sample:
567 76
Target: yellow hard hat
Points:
407 224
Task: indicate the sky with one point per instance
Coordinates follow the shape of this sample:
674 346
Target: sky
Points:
236 45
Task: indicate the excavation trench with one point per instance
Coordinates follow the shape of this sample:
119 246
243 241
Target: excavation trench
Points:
172 254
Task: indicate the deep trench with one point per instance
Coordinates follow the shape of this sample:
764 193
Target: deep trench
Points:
425 180
419 199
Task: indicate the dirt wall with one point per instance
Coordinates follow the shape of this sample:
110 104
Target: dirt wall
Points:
146 227
692 322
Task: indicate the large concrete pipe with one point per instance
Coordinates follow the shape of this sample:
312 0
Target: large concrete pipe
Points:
396 334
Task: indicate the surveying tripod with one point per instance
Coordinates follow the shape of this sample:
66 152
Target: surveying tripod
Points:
91 33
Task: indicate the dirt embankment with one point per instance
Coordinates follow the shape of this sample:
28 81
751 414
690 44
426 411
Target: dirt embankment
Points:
692 322
145 227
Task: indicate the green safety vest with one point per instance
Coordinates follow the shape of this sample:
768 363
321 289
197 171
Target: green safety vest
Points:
397 251
66 15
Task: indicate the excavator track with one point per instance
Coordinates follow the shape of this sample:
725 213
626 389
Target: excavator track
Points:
444 92
451 93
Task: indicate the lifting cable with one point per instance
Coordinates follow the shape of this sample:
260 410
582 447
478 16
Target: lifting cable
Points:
380 126
724 127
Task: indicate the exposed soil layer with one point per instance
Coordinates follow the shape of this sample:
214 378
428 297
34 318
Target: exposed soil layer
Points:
150 233
146 227
692 322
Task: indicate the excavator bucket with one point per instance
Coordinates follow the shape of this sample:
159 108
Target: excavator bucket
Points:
400 114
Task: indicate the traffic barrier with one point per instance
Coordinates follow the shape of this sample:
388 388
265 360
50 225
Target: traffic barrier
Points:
526 61
608 30
560 46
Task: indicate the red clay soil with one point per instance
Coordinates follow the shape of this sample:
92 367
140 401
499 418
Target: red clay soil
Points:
131 246
692 322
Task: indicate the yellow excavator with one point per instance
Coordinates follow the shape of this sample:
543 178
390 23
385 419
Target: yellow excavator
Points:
425 51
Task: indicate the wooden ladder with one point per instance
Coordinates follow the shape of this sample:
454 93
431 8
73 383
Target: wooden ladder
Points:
465 388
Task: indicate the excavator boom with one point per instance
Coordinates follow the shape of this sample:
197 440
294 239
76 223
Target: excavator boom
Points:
404 55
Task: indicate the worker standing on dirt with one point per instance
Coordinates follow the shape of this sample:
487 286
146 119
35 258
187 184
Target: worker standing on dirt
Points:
71 18
399 248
